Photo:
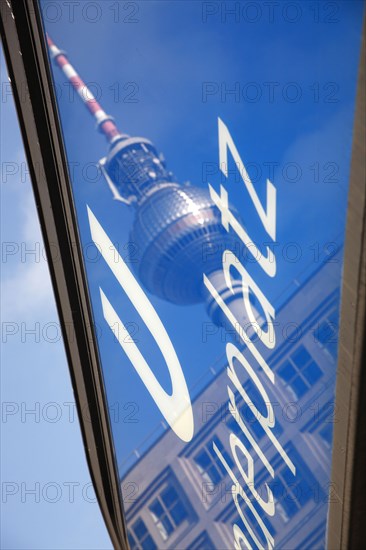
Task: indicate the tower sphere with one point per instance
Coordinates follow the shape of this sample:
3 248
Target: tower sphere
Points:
179 236
177 228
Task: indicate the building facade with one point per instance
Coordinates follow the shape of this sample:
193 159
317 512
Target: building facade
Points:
179 496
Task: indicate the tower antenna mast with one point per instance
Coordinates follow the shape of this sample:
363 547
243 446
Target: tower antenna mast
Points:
105 123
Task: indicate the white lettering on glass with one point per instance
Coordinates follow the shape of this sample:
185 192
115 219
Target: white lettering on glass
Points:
243 459
176 408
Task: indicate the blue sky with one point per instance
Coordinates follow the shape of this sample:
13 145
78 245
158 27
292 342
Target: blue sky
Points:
169 66
44 448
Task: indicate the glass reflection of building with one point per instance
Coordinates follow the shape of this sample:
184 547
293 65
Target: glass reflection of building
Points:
177 496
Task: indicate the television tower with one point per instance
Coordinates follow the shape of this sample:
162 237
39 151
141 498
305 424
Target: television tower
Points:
177 228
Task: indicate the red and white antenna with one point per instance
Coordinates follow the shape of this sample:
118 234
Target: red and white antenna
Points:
105 123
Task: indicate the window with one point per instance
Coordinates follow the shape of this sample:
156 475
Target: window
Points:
249 418
326 333
202 542
300 372
322 425
236 519
168 511
326 433
208 463
292 493
139 537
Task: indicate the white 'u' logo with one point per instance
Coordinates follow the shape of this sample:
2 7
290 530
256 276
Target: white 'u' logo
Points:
176 408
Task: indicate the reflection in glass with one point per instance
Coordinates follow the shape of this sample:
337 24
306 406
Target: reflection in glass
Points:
185 494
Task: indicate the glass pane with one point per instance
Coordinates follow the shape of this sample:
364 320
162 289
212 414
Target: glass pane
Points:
178 513
139 529
148 544
156 509
212 221
165 527
301 357
312 373
169 496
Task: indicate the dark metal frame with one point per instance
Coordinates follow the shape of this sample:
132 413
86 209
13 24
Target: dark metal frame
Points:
347 506
28 65
21 31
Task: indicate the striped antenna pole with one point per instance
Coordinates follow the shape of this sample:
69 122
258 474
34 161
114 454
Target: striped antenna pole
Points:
105 123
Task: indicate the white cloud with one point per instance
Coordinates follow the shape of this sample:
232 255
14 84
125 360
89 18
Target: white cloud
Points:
26 286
